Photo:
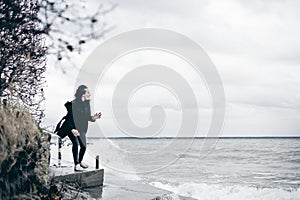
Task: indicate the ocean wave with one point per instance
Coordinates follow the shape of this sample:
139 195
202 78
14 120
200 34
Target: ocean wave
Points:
221 192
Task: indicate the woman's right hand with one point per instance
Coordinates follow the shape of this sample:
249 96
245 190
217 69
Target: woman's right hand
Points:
75 132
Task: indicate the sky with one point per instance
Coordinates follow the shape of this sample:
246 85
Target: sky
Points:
254 45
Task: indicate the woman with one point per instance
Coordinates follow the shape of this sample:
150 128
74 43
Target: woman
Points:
79 113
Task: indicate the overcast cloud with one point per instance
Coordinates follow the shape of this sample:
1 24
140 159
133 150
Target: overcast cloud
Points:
255 46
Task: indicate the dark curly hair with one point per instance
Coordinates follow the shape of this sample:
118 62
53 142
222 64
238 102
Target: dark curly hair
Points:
80 91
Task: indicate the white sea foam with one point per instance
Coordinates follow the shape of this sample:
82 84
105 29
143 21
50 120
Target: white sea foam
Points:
112 159
220 192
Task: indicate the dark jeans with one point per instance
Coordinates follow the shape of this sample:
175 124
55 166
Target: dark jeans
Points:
76 141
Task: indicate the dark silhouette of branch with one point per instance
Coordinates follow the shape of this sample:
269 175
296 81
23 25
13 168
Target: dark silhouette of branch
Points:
32 29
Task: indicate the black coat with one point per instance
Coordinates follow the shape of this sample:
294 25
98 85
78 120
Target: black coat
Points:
79 113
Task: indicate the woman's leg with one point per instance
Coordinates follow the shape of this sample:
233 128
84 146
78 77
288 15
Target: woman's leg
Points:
82 143
75 144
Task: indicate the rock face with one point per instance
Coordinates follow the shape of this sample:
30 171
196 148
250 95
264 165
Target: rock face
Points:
24 154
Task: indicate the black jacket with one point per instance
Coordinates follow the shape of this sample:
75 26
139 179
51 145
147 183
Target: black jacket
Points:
79 113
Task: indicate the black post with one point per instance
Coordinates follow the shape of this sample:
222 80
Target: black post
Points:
4 101
59 150
97 162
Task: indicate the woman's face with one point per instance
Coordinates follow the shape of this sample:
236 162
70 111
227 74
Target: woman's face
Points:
86 96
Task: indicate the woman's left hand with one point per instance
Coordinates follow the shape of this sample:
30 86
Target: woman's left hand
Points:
97 116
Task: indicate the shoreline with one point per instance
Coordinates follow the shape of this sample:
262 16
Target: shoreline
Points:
114 187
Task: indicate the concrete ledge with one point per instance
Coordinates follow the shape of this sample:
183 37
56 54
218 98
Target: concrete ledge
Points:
83 179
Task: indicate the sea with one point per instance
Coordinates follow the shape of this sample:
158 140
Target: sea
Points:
224 169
